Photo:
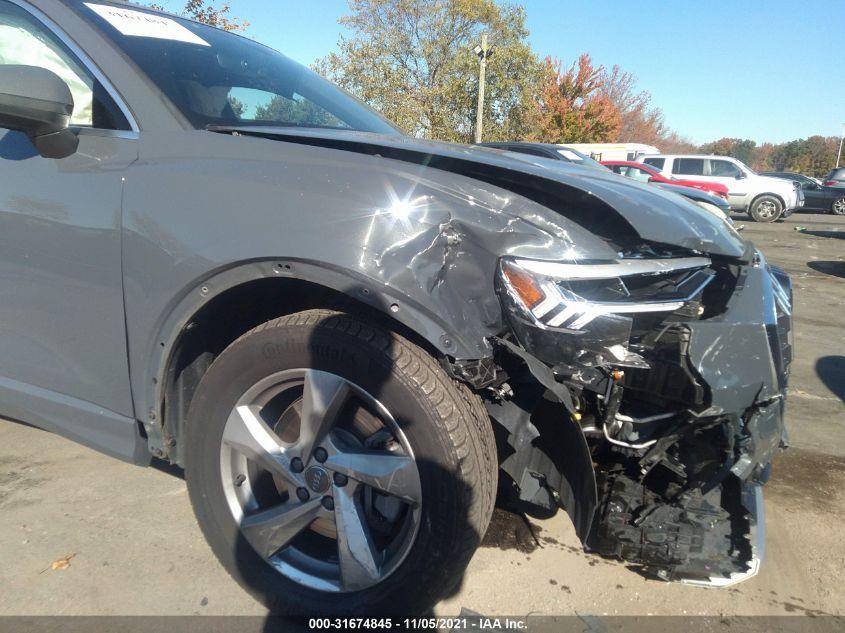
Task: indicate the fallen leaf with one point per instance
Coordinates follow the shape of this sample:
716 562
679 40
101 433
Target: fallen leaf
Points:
62 563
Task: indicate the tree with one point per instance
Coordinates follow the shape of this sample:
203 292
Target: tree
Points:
762 160
238 106
814 156
413 61
296 112
207 13
674 143
571 106
741 149
640 122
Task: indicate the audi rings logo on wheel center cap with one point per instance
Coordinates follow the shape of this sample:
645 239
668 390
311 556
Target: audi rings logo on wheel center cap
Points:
317 479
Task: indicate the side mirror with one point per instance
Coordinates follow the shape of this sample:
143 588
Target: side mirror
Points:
740 175
38 103
652 179
809 185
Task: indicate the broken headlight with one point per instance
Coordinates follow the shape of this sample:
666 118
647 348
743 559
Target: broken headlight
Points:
571 296
564 312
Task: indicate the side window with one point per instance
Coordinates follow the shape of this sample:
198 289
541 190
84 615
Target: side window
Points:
723 168
688 166
261 105
657 163
639 174
25 41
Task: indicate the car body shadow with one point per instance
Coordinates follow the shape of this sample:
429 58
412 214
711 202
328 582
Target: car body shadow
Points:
168 468
833 268
839 235
831 370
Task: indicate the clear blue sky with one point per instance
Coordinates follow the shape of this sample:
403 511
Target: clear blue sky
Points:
769 70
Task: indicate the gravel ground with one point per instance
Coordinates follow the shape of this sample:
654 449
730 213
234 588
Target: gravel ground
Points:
136 548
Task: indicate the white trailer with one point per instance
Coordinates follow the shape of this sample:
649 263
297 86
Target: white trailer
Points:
614 151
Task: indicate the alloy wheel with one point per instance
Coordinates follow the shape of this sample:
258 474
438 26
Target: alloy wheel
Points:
321 480
766 209
839 206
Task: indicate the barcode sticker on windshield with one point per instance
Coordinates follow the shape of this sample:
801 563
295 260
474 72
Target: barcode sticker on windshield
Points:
569 155
141 24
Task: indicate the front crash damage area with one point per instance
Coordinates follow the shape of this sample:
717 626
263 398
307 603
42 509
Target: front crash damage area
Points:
674 371
631 348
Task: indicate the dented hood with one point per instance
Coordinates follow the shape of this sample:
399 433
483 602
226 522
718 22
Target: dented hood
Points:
655 215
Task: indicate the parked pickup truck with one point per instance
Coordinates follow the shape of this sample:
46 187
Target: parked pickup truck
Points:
765 199
349 338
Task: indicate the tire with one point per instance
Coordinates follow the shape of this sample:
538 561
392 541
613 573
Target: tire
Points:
766 208
443 430
837 207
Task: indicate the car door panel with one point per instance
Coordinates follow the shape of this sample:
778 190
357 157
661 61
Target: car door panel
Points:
64 363
738 188
815 197
61 299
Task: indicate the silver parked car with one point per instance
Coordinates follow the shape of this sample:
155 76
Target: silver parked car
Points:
350 338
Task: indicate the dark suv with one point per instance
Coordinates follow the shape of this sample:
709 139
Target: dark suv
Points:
350 338
825 198
836 178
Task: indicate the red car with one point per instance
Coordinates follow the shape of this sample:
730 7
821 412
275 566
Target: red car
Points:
646 173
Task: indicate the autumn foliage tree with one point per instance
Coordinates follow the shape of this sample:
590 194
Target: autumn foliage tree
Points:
814 156
571 106
741 149
639 121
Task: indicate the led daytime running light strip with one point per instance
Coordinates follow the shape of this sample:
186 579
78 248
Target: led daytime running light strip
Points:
576 314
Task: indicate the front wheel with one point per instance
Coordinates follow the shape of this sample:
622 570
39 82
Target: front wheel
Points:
837 207
335 468
766 209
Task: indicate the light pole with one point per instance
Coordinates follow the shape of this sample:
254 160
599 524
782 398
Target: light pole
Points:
484 52
841 138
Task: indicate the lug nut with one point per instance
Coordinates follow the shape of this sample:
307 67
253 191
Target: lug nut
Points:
328 503
340 479
321 455
302 494
296 465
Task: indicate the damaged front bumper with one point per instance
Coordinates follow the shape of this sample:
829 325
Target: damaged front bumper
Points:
752 501
682 408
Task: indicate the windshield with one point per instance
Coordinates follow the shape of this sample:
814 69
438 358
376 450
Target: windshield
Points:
745 167
218 78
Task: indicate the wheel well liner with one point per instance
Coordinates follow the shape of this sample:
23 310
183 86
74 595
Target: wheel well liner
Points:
186 349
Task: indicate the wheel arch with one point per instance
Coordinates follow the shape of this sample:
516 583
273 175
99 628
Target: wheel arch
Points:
217 309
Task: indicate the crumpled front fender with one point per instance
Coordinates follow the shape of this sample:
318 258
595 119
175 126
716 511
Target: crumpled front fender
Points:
423 239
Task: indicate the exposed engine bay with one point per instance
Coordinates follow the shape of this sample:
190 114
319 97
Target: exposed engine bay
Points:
643 358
